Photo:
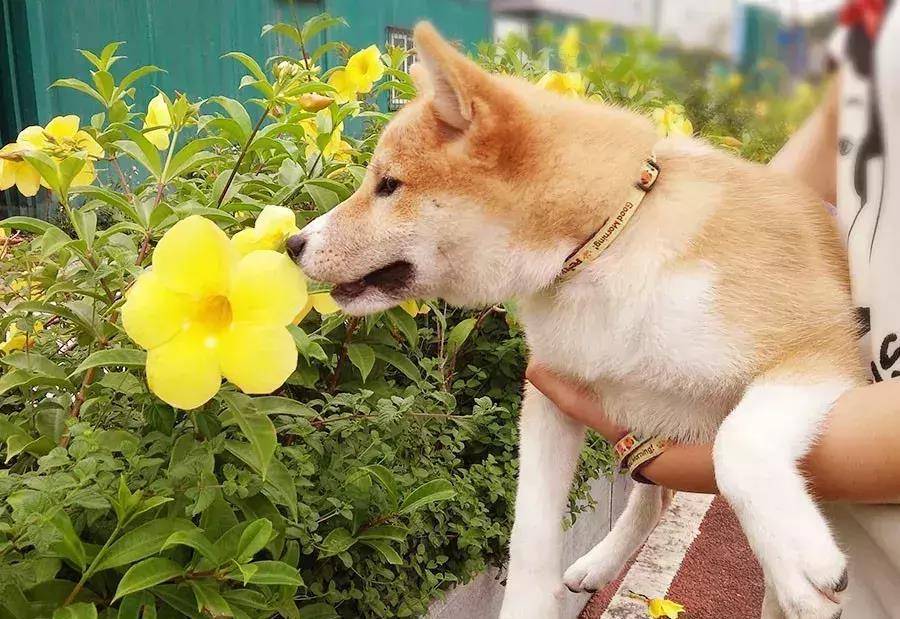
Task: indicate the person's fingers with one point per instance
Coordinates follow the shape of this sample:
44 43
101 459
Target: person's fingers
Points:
573 400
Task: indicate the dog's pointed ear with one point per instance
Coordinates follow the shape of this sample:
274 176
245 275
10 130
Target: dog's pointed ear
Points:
453 80
420 79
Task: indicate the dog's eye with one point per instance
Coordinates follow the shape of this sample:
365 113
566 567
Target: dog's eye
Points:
386 186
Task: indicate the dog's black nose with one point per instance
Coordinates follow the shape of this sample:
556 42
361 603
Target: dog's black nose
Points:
294 246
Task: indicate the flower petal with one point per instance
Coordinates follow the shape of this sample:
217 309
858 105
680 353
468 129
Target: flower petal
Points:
152 314
32 136
257 358
63 127
267 288
184 372
88 144
28 180
247 240
195 257
277 221
324 303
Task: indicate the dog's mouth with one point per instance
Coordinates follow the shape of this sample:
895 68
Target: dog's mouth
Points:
391 281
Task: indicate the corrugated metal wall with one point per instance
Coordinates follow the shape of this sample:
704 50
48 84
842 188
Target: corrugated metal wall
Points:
39 39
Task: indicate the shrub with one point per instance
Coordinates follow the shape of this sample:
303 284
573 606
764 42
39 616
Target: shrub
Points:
378 475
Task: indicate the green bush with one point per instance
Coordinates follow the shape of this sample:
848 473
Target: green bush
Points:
379 475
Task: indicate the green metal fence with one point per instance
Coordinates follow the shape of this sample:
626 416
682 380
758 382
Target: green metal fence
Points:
39 39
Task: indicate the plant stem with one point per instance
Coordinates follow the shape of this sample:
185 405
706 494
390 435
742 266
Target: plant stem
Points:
125 186
93 566
161 185
352 325
450 367
240 159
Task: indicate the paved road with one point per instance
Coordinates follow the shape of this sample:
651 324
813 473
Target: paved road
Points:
698 556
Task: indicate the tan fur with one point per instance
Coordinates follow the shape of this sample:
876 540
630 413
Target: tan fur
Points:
724 303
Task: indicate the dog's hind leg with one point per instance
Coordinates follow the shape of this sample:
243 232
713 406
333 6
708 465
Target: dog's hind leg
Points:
549 445
600 565
756 452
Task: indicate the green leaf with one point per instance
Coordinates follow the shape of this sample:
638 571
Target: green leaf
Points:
385 549
324 199
363 357
190 156
81 610
399 361
386 478
17 443
52 241
209 599
113 199
139 148
429 492
148 573
238 113
134 76
143 541
28 224
309 348
104 82
45 166
181 598
80 87
336 542
85 222
258 429
249 63
318 23
384 531
198 541
51 422
406 324
69 545
253 539
126 357
319 610
458 335
34 363
42 307
269 573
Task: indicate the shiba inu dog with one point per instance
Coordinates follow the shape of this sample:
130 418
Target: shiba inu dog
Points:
721 312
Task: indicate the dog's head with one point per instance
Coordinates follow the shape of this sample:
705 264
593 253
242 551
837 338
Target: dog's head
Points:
448 207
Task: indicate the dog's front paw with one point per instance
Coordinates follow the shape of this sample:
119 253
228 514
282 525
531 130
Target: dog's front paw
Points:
810 581
593 571
530 598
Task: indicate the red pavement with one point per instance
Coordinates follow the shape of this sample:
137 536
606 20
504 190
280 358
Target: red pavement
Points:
719 577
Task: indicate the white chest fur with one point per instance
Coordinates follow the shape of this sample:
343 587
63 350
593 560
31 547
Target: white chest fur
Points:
649 342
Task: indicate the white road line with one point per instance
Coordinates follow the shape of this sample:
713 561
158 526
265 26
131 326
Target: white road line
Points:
660 559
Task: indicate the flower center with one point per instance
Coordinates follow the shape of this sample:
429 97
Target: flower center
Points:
214 313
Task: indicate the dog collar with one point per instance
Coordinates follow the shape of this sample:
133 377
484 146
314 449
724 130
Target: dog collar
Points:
610 229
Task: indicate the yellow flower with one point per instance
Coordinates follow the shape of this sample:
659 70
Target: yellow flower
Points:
670 120
563 83
16 171
17 340
312 102
336 148
322 302
569 47
735 80
659 607
365 68
346 89
203 312
158 116
272 228
59 139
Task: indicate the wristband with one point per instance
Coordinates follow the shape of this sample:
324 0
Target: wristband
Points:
644 453
625 447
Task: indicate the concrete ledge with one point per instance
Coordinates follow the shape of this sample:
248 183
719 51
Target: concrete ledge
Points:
482 597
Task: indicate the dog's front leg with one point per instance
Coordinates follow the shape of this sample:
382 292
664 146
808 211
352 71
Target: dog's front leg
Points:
549 445
756 453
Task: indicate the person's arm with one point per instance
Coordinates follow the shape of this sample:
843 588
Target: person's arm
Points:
810 155
857 458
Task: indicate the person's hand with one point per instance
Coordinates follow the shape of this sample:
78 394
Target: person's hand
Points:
574 400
